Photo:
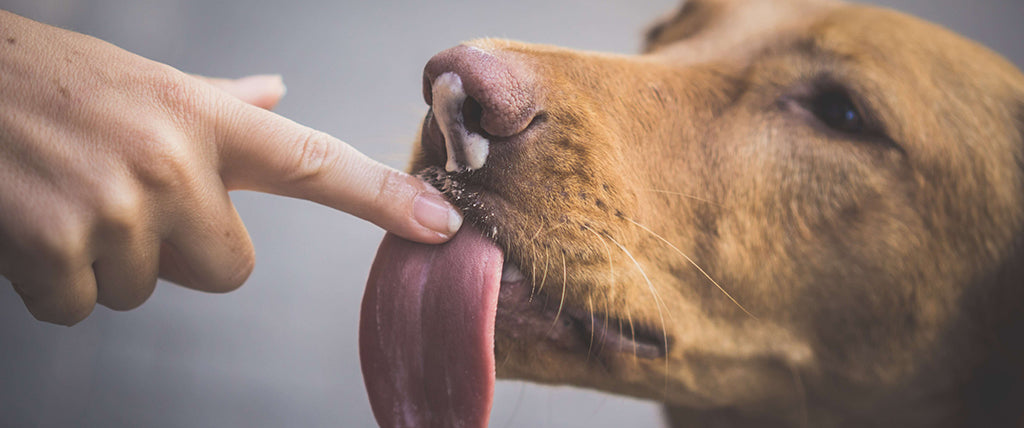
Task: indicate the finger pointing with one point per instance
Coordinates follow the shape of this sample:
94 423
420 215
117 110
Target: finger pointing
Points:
266 152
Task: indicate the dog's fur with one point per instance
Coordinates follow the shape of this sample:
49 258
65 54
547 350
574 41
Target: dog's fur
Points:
852 278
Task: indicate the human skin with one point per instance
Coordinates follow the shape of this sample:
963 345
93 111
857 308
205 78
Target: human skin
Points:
115 170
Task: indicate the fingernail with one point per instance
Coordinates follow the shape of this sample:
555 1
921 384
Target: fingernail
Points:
434 212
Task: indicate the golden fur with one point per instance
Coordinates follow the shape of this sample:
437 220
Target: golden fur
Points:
786 273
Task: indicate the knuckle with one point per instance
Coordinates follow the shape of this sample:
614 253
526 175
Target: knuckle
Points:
176 91
161 154
166 165
317 154
58 245
393 185
120 212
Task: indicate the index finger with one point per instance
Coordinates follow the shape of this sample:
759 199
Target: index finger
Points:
263 151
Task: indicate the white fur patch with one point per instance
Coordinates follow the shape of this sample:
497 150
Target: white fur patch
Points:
448 98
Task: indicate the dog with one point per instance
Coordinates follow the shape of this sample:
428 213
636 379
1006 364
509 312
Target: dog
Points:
781 213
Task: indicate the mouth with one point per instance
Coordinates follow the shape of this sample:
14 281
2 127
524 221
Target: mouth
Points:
430 315
527 312
528 315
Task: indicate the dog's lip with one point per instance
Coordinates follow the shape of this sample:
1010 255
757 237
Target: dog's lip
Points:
523 306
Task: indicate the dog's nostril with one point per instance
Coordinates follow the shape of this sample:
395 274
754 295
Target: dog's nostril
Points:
482 94
472 113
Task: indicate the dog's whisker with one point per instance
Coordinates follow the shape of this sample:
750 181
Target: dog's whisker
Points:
590 344
618 324
606 310
685 195
650 285
504 361
632 333
688 259
561 302
533 265
608 251
611 280
657 303
547 253
543 277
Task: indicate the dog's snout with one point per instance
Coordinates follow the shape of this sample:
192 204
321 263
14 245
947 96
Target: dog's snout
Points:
477 97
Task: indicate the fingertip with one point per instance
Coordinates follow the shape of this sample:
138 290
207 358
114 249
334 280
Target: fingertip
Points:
397 202
262 90
433 212
430 218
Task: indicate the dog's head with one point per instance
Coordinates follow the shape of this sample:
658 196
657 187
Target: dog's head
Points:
779 202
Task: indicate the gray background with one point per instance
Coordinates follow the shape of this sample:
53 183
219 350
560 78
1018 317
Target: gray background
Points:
281 351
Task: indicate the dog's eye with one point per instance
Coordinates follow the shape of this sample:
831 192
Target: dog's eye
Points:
836 110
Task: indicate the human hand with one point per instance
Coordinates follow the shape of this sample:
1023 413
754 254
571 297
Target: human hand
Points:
115 169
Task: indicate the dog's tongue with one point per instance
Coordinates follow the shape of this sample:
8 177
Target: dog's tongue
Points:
426 333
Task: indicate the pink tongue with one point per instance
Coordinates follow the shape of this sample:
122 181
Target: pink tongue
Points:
426 334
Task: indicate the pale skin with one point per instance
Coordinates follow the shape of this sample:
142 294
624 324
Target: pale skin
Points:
115 170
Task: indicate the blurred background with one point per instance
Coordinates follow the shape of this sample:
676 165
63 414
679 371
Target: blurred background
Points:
281 351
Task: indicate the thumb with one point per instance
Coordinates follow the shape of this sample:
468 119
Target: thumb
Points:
263 151
263 91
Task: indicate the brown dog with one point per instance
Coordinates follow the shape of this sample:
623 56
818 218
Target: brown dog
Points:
783 213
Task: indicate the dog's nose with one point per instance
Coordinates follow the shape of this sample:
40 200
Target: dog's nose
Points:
478 98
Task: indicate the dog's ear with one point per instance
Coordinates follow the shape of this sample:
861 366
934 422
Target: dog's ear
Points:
684 22
657 29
